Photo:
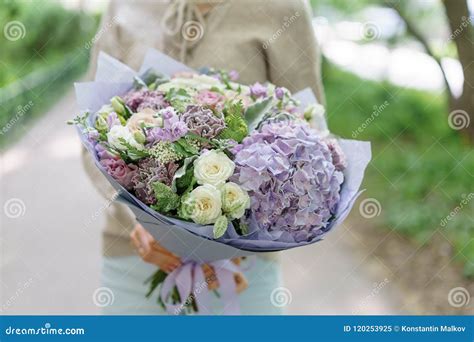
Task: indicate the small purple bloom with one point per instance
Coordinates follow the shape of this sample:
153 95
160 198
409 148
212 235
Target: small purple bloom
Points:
279 93
102 152
258 90
234 75
112 120
138 100
173 127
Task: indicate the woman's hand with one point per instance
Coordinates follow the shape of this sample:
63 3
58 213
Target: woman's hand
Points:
152 252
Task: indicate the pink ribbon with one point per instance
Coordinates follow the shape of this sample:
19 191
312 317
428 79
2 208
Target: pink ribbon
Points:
190 280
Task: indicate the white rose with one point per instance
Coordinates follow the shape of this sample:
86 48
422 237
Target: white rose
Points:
203 205
213 168
117 133
235 200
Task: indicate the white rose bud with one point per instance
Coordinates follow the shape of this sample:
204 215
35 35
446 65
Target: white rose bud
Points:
117 133
235 200
203 205
213 168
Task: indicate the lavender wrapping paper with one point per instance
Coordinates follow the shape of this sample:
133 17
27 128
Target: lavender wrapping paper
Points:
193 242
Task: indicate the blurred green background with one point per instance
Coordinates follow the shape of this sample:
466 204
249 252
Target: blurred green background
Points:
391 76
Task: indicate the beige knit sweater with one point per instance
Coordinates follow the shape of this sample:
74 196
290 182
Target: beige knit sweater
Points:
264 40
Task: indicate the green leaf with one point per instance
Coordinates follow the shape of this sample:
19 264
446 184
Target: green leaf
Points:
183 147
178 98
184 175
132 151
166 198
155 280
236 127
220 226
256 112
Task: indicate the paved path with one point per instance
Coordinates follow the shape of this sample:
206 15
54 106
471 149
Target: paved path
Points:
50 257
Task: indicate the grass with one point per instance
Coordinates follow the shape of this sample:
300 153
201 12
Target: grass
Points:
421 171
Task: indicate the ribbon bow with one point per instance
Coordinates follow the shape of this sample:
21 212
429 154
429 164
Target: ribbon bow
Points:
190 280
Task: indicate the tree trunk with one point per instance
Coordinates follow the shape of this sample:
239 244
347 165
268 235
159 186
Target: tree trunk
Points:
462 33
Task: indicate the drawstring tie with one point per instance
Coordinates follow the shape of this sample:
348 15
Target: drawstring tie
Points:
184 23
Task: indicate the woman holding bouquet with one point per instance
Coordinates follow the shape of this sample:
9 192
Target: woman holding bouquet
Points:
261 40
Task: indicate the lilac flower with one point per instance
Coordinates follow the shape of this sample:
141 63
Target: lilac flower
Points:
112 120
138 100
150 170
173 127
258 90
292 181
120 171
102 152
93 136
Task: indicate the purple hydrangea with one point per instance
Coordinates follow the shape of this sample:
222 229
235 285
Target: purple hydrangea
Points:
120 171
202 121
138 100
338 157
149 171
291 178
173 127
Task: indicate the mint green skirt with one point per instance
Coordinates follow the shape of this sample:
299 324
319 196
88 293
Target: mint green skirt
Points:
125 277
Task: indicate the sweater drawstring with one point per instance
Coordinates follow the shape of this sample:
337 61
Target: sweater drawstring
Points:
184 24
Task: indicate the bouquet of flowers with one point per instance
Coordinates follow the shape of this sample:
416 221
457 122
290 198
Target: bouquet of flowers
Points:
215 169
